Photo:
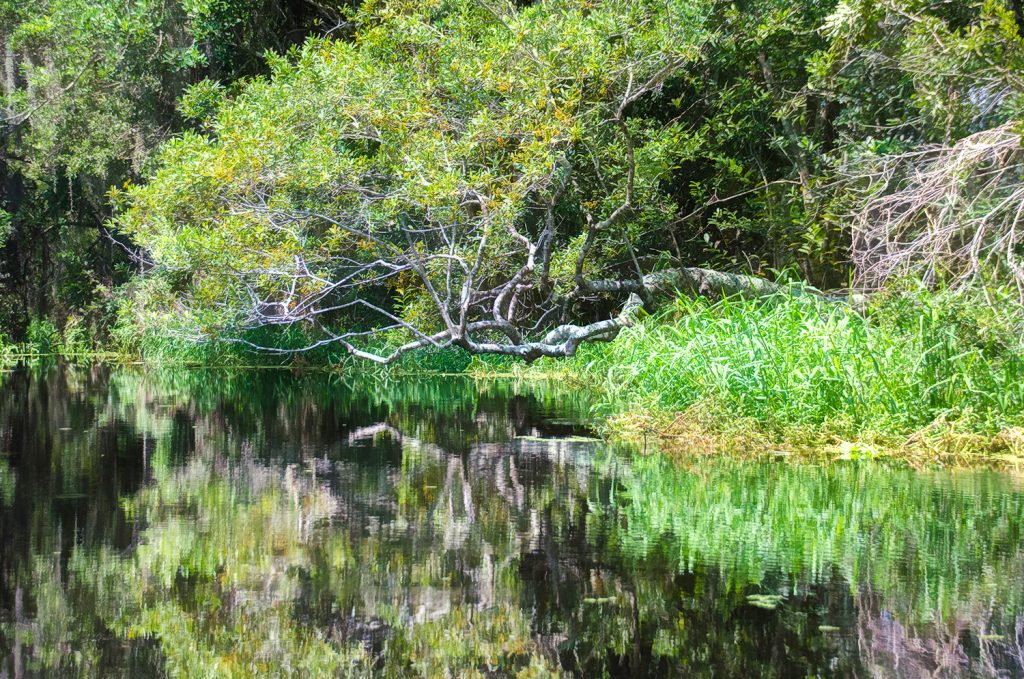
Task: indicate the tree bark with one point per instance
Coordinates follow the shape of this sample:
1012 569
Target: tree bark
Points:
698 282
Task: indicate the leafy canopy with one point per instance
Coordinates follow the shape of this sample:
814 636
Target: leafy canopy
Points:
427 157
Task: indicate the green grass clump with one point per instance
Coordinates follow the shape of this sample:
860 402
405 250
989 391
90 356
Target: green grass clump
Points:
289 349
796 362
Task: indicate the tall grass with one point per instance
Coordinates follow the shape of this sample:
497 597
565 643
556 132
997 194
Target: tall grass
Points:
789 362
290 350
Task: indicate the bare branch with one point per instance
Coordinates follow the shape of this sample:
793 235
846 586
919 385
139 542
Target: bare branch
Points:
951 212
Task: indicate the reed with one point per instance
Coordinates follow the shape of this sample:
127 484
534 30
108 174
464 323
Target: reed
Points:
792 363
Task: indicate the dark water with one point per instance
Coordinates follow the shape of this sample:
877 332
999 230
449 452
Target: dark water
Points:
209 524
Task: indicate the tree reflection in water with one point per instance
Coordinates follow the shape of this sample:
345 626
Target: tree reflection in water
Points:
273 524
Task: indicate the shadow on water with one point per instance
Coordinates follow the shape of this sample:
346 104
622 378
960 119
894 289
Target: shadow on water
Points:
268 523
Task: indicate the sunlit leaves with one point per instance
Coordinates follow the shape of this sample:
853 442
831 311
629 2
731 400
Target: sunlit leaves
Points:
431 108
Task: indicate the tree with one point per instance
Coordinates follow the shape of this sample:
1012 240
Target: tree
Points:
89 89
461 174
931 177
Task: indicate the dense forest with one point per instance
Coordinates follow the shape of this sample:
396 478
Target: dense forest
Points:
523 178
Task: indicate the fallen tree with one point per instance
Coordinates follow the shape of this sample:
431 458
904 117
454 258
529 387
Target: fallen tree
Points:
503 335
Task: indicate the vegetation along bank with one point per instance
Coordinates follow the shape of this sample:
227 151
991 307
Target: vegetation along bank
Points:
646 195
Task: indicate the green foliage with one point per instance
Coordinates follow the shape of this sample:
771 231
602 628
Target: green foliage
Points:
76 340
794 362
89 90
743 156
43 336
200 102
99 78
939 70
5 226
432 103
87 95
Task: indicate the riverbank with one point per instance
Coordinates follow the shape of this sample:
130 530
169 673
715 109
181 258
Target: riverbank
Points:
920 377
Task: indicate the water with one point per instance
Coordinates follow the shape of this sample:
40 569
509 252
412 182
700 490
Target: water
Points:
264 523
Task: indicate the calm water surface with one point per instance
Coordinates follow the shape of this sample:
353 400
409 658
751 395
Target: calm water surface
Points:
268 523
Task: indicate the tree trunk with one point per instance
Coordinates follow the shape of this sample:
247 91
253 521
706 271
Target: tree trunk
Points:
698 282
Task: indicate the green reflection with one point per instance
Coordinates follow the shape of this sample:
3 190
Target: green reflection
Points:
272 524
7 479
